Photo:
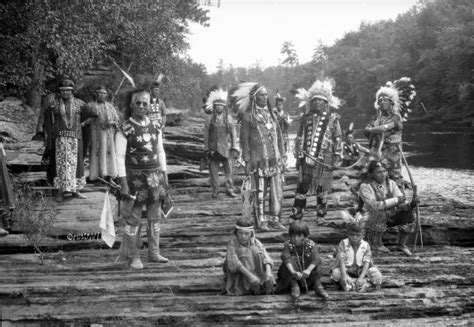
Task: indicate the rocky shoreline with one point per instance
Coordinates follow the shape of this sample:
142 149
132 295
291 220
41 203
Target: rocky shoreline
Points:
82 283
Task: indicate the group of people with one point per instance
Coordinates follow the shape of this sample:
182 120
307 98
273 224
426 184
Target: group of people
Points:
248 267
318 149
128 148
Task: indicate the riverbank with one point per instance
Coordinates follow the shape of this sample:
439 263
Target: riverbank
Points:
82 284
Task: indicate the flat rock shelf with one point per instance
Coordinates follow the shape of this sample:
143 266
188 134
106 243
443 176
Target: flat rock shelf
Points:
81 283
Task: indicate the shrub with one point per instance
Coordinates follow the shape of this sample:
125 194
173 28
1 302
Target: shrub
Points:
34 215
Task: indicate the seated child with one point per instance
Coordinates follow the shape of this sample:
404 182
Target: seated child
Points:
248 267
301 263
353 268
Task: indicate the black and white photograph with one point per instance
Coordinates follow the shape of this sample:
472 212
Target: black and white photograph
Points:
236 163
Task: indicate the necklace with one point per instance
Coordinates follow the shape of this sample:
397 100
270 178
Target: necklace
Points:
300 262
68 121
264 118
143 122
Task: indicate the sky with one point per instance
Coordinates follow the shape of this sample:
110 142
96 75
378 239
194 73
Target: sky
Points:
244 32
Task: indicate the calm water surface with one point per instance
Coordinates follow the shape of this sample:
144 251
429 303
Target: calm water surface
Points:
441 160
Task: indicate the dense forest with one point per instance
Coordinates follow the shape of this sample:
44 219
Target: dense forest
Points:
43 41
432 43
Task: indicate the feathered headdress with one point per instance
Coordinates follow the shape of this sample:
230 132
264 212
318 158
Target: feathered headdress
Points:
319 89
401 92
279 97
350 130
208 110
157 81
218 96
240 96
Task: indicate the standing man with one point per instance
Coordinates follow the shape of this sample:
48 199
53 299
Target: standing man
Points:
102 158
142 170
157 111
385 131
67 113
220 141
317 146
262 148
283 121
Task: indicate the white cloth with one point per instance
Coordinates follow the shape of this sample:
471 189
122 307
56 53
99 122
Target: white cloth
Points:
107 227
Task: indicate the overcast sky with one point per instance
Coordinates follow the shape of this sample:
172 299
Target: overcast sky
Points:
242 32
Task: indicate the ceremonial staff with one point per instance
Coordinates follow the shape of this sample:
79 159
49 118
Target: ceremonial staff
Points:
126 76
417 214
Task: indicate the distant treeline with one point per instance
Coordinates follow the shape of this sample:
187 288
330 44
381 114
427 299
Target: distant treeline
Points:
432 43
42 42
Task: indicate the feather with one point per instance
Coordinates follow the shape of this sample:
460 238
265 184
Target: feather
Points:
351 126
302 95
279 97
216 95
240 96
324 89
127 76
401 92
159 78
406 91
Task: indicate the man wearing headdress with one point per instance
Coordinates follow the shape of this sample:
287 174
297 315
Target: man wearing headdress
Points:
283 121
318 146
157 111
102 158
385 131
262 151
220 141
141 162
65 116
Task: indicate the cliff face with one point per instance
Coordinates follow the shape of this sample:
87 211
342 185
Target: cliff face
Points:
17 120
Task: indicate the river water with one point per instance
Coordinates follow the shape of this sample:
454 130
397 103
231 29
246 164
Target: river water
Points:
440 158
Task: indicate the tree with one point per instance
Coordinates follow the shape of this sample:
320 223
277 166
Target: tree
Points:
319 53
46 39
288 50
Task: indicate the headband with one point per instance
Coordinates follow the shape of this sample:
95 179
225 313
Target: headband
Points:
260 87
249 228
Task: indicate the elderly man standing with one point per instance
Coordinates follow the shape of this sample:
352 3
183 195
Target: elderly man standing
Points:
262 148
142 171
67 113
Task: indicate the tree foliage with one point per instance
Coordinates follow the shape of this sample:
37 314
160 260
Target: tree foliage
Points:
432 43
290 57
45 39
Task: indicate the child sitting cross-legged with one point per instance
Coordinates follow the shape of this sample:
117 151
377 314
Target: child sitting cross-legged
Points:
301 263
247 267
354 268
